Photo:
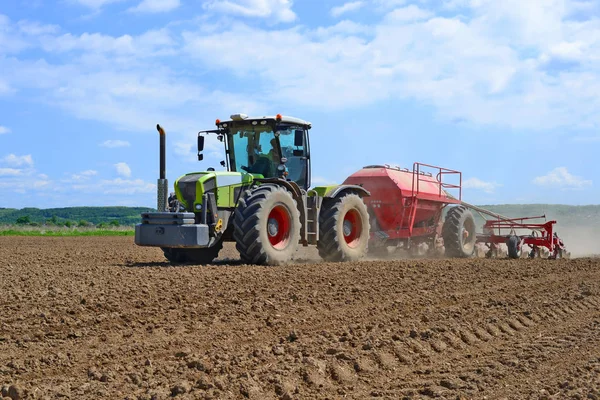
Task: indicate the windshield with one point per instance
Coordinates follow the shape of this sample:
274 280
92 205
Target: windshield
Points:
258 149
253 149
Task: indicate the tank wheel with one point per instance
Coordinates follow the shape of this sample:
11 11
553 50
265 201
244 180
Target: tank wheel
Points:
267 225
459 233
514 246
195 256
343 229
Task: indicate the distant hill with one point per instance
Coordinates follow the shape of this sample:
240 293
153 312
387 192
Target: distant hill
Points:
94 215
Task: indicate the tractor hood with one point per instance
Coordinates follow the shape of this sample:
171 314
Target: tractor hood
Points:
190 188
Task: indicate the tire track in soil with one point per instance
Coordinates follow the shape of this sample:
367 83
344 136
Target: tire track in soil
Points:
393 328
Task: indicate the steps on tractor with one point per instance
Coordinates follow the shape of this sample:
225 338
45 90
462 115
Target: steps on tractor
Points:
313 204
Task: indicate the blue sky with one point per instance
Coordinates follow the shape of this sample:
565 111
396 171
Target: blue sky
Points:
505 91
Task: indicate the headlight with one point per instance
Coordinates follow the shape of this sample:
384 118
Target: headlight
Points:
198 207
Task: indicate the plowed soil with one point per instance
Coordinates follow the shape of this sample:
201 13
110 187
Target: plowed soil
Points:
88 318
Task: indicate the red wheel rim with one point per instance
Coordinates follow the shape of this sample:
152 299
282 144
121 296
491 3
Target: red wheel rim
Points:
352 228
278 227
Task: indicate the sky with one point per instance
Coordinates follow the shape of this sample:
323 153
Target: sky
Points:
508 92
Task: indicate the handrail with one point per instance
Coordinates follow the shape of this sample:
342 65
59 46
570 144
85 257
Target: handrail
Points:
418 174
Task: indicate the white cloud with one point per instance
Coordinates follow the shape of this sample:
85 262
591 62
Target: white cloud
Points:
4 130
475 183
11 179
34 28
495 64
123 169
347 7
388 4
156 6
111 144
561 178
18 161
276 10
84 175
117 186
10 172
95 4
407 14
471 67
183 149
345 28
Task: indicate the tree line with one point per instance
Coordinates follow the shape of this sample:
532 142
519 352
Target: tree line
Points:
73 216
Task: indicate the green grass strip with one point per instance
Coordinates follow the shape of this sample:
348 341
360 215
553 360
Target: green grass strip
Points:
66 233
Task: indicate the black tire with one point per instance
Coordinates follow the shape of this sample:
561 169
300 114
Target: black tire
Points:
459 221
514 251
267 226
202 256
343 229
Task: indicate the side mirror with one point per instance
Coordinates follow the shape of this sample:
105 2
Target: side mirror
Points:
200 148
298 137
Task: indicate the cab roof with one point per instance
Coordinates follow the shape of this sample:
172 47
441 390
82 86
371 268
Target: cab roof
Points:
284 118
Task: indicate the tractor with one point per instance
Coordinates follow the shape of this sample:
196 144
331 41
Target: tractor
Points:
262 201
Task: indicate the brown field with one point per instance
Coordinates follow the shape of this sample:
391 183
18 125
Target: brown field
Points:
89 318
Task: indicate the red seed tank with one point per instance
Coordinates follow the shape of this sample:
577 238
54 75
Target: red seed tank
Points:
405 203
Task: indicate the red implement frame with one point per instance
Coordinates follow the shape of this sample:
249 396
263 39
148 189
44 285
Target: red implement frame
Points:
546 237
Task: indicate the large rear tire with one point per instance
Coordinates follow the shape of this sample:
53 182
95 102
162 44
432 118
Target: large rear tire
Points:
459 233
194 256
343 229
267 226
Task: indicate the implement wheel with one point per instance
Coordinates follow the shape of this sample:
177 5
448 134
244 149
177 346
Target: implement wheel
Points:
267 225
459 233
514 246
343 229
194 256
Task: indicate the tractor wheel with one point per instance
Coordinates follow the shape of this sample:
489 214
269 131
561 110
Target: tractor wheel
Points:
194 256
459 233
267 225
343 229
513 244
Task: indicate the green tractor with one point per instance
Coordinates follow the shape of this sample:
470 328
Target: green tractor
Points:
262 202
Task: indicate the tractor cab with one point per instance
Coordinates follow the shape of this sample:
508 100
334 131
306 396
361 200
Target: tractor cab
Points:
267 147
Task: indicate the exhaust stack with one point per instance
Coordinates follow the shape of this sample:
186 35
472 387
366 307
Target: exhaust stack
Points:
162 185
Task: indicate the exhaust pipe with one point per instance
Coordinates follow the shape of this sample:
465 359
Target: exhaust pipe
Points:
162 186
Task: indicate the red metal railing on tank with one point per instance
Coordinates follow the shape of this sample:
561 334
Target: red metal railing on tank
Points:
418 175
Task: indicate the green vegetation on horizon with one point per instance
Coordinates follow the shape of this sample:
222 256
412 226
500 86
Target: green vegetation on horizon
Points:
73 216
65 233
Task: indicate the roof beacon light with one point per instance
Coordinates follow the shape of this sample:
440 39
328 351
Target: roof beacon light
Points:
217 122
239 117
278 117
